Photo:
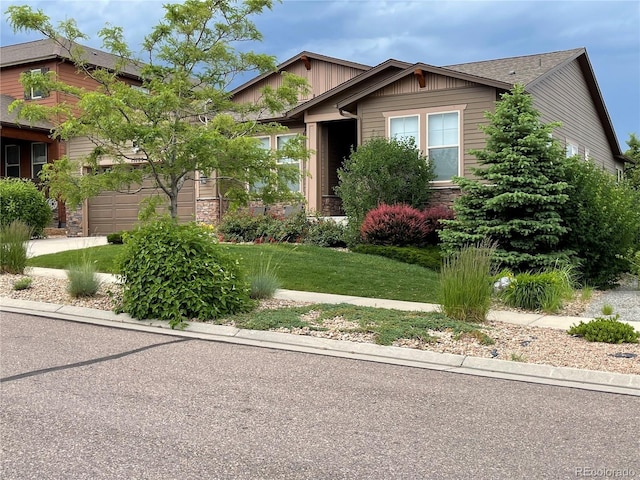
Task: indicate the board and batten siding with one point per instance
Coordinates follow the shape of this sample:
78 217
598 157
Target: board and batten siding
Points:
478 99
323 76
564 97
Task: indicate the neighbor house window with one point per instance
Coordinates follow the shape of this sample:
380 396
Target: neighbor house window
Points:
405 127
619 174
34 93
265 143
587 156
572 149
281 141
12 161
443 144
38 158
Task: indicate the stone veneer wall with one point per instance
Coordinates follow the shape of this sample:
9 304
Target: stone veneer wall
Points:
443 196
208 210
332 206
74 222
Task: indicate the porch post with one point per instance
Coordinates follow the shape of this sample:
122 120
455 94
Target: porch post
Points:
312 180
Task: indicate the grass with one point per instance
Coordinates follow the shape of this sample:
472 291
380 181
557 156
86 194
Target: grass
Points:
303 267
385 325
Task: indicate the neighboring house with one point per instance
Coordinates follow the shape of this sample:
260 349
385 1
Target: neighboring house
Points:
347 104
441 108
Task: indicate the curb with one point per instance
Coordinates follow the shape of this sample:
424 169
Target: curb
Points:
626 384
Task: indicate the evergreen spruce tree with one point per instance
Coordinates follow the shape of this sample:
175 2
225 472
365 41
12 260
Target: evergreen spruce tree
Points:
516 196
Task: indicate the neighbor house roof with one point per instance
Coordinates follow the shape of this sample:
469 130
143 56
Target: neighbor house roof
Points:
47 49
10 118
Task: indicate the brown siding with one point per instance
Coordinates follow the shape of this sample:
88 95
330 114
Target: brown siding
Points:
477 99
409 84
564 97
323 76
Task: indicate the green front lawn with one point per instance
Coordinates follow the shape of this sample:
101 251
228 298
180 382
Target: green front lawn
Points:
300 267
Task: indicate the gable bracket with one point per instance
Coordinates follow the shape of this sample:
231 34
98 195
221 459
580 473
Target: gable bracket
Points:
419 73
306 61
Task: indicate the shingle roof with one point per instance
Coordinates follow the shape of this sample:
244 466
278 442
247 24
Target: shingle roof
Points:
524 69
47 49
11 117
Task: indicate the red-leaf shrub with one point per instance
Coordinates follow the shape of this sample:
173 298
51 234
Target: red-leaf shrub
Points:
433 216
399 225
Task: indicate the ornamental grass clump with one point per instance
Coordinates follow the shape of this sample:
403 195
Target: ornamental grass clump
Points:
83 278
465 284
14 245
263 279
546 290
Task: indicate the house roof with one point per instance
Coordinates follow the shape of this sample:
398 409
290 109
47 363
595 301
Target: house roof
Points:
387 65
524 69
304 56
47 49
10 118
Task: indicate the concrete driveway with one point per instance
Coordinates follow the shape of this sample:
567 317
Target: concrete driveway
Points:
82 401
43 246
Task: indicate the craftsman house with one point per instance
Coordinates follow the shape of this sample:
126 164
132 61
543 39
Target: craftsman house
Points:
440 107
347 103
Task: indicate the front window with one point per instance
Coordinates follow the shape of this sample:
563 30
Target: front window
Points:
265 143
443 144
281 141
38 158
572 149
405 127
35 93
12 161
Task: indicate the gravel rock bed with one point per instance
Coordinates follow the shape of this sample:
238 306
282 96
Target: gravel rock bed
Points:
512 342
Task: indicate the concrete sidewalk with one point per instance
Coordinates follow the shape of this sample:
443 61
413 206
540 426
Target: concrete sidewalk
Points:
44 246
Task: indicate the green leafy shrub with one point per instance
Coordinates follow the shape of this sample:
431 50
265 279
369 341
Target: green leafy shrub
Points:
326 233
115 238
465 284
603 221
607 330
179 272
242 226
399 225
83 279
21 200
383 171
539 291
428 257
23 283
14 242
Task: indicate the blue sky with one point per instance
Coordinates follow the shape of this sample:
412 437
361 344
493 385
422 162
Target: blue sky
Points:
433 32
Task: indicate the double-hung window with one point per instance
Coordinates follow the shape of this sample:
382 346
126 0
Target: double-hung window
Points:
12 160
443 144
281 142
403 128
38 158
437 134
572 149
34 92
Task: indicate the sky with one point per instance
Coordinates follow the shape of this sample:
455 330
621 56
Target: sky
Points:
434 32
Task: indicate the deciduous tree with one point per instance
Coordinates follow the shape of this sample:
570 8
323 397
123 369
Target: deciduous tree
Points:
180 118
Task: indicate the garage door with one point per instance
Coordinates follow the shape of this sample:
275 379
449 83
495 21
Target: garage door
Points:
112 212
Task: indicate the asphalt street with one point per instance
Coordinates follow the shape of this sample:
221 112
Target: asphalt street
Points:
90 402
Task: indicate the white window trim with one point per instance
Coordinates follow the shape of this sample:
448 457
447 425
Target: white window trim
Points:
587 154
406 116
459 144
32 95
33 158
6 161
619 174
